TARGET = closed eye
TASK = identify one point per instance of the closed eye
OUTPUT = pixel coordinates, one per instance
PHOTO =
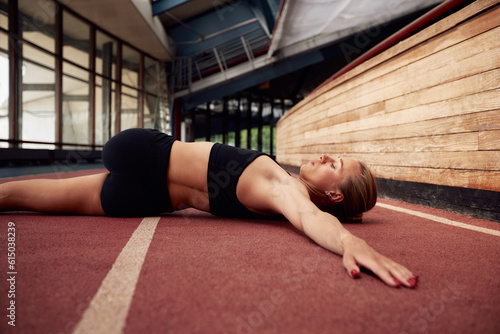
(333, 165)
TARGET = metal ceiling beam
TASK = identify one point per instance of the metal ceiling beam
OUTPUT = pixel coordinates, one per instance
(220, 32)
(244, 76)
(161, 6)
(212, 28)
(266, 11)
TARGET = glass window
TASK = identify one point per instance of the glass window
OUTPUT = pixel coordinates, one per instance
(151, 76)
(99, 123)
(149, 110)
(98, 80)
(130, 108)
(76, 111)
(36, 74)
(4, 41)
(76, 45)
(38, 118)
(38, 97)
(4, 19)
(38, 56)
(113, 128)
(75, 71)
(131, 62)
(104, 105)
(38, 22)
(106, 49)
(244, 107)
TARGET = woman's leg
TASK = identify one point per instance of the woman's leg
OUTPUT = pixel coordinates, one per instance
(78, 195)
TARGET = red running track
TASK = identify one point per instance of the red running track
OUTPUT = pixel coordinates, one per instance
(203, 274)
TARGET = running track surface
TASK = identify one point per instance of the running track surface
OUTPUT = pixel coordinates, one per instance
(190, 272)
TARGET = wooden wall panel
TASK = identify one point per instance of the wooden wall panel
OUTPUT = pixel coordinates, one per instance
(490, 140)
(426, 110)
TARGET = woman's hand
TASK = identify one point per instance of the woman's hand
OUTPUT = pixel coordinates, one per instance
(358, 254)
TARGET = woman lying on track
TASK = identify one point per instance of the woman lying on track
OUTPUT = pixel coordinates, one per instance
(151, 173)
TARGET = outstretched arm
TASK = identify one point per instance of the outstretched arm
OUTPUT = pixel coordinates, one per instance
(328, 232)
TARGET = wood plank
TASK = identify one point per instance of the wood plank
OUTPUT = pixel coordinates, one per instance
(470, 14)
(466, 105)
(463, 60)
(388, 56)
(489, 120)
(485, 180)
(469, 85)
(463, 161)
(441, 143)
(478, 160)
(465, 19)
(465, 86)
(480, 82)
(459, 71)
(420, 54)
(437, 43)
(482, 101)
(489, 140)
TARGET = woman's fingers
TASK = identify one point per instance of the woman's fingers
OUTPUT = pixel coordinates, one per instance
(382, 268)
(402, 274)
(392, 273)
(351, 266)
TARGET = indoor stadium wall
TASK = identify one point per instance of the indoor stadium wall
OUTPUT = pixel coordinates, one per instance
(424, 115)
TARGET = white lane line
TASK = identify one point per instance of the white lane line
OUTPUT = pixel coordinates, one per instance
(108, 309)
(441, 220)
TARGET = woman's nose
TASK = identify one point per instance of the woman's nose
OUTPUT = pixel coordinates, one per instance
(324, 158)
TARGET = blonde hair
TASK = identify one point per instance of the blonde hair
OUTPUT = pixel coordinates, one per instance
(360, 195)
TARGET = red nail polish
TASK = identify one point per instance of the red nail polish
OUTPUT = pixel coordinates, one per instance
(412, 281)
(354, 273)
(398, 283)
(415, 276)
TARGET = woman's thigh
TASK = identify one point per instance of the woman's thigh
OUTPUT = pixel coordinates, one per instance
(78, 195)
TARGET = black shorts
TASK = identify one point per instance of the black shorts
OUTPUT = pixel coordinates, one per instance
(136, 186)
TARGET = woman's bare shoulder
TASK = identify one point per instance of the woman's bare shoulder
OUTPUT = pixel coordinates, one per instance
(263, 183)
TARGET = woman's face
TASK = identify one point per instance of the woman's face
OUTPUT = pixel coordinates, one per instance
(326, 173)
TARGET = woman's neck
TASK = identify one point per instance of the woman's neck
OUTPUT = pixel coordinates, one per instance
(316, 196)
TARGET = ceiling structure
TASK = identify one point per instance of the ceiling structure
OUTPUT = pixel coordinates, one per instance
(130, 20)
(220, 47)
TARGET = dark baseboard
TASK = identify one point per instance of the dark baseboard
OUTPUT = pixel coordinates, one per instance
(18, 156)
(474, 203)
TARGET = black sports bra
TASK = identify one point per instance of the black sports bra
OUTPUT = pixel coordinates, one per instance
(225, 165)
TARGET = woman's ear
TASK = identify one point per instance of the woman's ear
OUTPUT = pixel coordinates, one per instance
(335, 196)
